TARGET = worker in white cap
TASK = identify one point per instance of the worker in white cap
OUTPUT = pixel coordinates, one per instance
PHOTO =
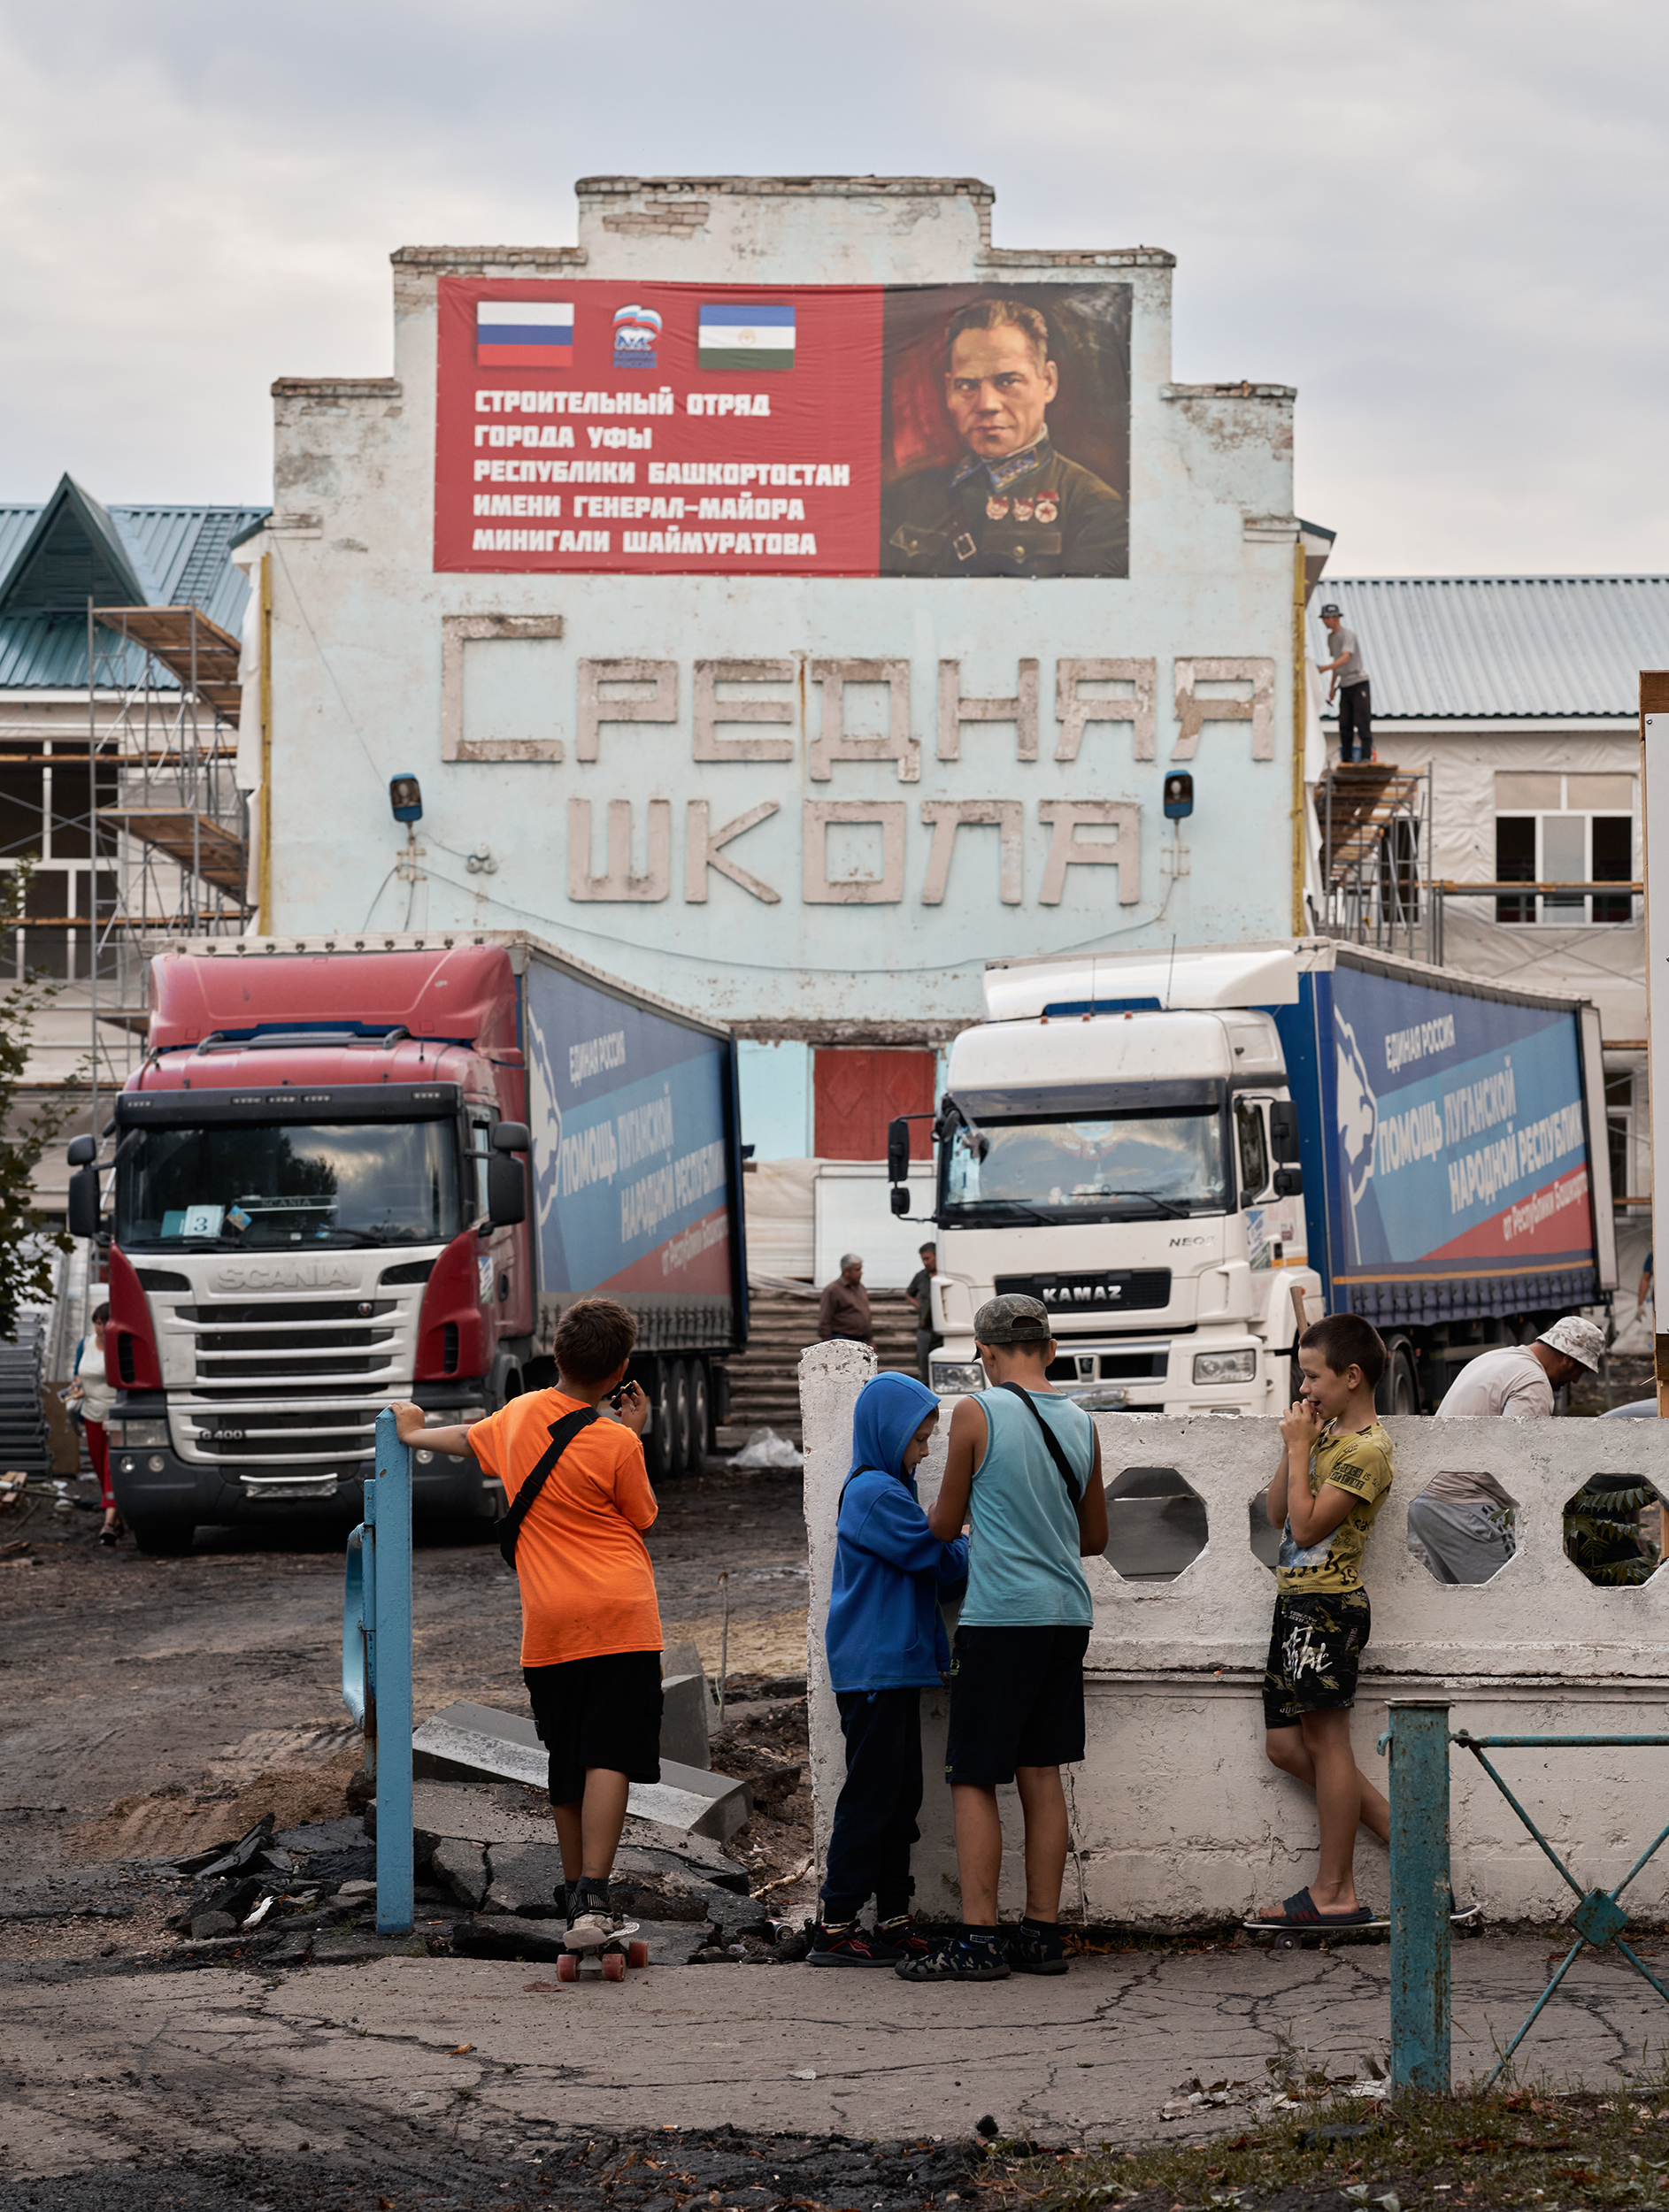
(1518, 1380)
(1461, 1525)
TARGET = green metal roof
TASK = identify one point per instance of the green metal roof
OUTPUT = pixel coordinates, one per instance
(53, 559)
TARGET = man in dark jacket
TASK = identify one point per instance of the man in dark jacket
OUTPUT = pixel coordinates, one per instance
(920, 1288)
(1013, 506)
(843, 1315)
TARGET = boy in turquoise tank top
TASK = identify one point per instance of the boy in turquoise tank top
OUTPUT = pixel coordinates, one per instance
(1025, 1468)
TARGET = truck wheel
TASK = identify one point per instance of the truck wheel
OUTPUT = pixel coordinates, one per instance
(658, 1437)
(678, 1437)
(163, 1539)
(1399, 1386)
(700, 1414)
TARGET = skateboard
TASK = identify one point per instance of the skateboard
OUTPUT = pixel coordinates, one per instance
(612, 1953)
(1376, 1931)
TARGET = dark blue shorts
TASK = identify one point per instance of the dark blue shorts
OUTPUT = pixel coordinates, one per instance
(1017, 1700)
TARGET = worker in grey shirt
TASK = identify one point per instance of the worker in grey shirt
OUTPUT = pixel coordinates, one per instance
(1349, 680)
(1461, 1525)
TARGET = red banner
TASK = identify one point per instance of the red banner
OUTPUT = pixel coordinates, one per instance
(818, 430)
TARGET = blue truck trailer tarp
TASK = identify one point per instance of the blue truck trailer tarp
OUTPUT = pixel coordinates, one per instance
(1444, 1142)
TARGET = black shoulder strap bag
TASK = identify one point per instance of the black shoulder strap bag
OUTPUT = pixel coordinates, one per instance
(562, 1435)
(1063, 1464)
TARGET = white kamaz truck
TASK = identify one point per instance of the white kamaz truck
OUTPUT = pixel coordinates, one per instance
(1189, 1156)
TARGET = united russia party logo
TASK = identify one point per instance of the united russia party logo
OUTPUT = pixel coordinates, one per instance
(636, 330)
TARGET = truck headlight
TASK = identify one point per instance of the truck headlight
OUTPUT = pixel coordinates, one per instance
(952, 1376)
(1225, 1367)
(138, 1436)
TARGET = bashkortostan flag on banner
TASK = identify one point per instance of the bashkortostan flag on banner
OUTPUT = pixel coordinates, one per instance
(747, 336)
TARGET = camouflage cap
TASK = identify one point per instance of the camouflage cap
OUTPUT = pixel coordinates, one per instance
(1013, 1320)
(1578, 1340)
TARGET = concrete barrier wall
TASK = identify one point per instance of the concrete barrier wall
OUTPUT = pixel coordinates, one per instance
(1178, 1819)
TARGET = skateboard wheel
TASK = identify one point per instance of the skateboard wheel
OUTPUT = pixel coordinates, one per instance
(613, 1966)
(1288, 1943)
(568, 1967)
(637, 1954)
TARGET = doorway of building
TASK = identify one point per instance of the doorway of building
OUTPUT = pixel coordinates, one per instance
(855, 1092)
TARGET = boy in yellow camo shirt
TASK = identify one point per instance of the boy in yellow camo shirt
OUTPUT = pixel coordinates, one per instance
(1334, 1475)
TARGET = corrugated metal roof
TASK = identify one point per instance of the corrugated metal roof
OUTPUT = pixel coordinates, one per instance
(180, 555)
(1507, 646)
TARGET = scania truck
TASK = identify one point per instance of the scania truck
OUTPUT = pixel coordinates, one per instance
(351, 1173)
(1189, 1155)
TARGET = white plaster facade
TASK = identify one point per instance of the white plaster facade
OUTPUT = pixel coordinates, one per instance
(1178, 1816)
(859, 907)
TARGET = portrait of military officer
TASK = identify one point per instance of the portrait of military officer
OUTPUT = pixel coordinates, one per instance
(1011, 505)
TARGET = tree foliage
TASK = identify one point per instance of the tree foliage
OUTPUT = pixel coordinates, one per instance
(25, 1245)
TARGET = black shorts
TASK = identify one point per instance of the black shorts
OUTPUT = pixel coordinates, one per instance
(1017, 1700)
(1313, 1648)
(600, 1712)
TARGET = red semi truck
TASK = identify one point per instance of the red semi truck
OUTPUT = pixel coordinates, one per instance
(345, 1174)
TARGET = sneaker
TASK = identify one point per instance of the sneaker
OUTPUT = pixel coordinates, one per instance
(1035, 1948)
(592, 1919)
(848, 1945)
(904, 1937)
(962, 1957)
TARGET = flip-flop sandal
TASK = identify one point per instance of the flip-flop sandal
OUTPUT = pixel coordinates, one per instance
(1300, 1911)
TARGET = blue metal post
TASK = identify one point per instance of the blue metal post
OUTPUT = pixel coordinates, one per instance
(1420, 1903)
(389, 1642)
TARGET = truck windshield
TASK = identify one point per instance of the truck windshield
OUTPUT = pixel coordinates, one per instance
(243, 1184)
(1086, 1170)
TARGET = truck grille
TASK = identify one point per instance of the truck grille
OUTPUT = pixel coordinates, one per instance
(295, 1382)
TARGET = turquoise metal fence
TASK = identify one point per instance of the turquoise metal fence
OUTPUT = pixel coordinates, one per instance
(376, 1666)
(1418, 1738)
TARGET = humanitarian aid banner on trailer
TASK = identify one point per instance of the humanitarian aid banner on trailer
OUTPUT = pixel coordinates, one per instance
(630, 1152)
(826, 430)
(1460, 1135)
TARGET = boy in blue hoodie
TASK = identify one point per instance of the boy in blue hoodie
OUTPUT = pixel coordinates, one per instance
(886, 1644)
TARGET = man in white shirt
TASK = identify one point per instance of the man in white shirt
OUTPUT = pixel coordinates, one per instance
(1461, 1525)
(1518, 1380)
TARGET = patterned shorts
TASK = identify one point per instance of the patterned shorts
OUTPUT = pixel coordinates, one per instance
(1313, 1649)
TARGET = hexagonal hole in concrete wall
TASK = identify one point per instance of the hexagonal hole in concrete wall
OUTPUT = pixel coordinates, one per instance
(1265, 1542)
(1463, 1528)
(1613, 1531)
(1156, 1525)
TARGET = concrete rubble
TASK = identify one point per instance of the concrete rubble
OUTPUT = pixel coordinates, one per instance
(467, 1741)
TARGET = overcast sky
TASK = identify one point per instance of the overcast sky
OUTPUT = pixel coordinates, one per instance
(1443, 220)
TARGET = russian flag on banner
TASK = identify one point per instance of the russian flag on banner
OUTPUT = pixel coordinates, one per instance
(524, 334)
(747, 336)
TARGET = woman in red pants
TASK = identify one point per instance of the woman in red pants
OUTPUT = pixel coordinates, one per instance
(96, 1395)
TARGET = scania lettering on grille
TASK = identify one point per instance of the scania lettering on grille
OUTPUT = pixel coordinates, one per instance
(306, 1275)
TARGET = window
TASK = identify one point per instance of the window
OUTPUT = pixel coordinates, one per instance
(1252, 1146)
(1565, 829)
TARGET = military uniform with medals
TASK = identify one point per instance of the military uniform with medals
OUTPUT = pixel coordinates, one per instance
(1032, 513)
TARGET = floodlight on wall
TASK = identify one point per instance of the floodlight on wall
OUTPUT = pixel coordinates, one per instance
(1179, 795)
(405, 798)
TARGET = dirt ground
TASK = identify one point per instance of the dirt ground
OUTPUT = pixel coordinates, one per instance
(155, 1706)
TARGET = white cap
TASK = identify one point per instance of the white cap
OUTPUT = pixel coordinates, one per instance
(1579, 1341)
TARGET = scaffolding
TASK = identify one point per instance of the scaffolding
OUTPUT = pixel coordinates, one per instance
(170, 849)
(1373, 825)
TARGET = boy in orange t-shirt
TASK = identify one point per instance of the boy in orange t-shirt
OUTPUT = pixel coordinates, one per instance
(590, 1628)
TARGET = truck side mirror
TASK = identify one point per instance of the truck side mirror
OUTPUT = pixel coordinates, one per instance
(83, 1200)
(1283, 1129)
(511, 1136)
(1289, 1182)
(82, 1152)
(900, 1195)
(898, 1151)
(506, 1190)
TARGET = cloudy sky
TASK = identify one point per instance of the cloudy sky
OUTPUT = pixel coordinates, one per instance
(1443, 220)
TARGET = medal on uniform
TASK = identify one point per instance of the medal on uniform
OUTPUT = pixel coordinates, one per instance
(1022, 510)
(995, 509)
(1048, 507)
